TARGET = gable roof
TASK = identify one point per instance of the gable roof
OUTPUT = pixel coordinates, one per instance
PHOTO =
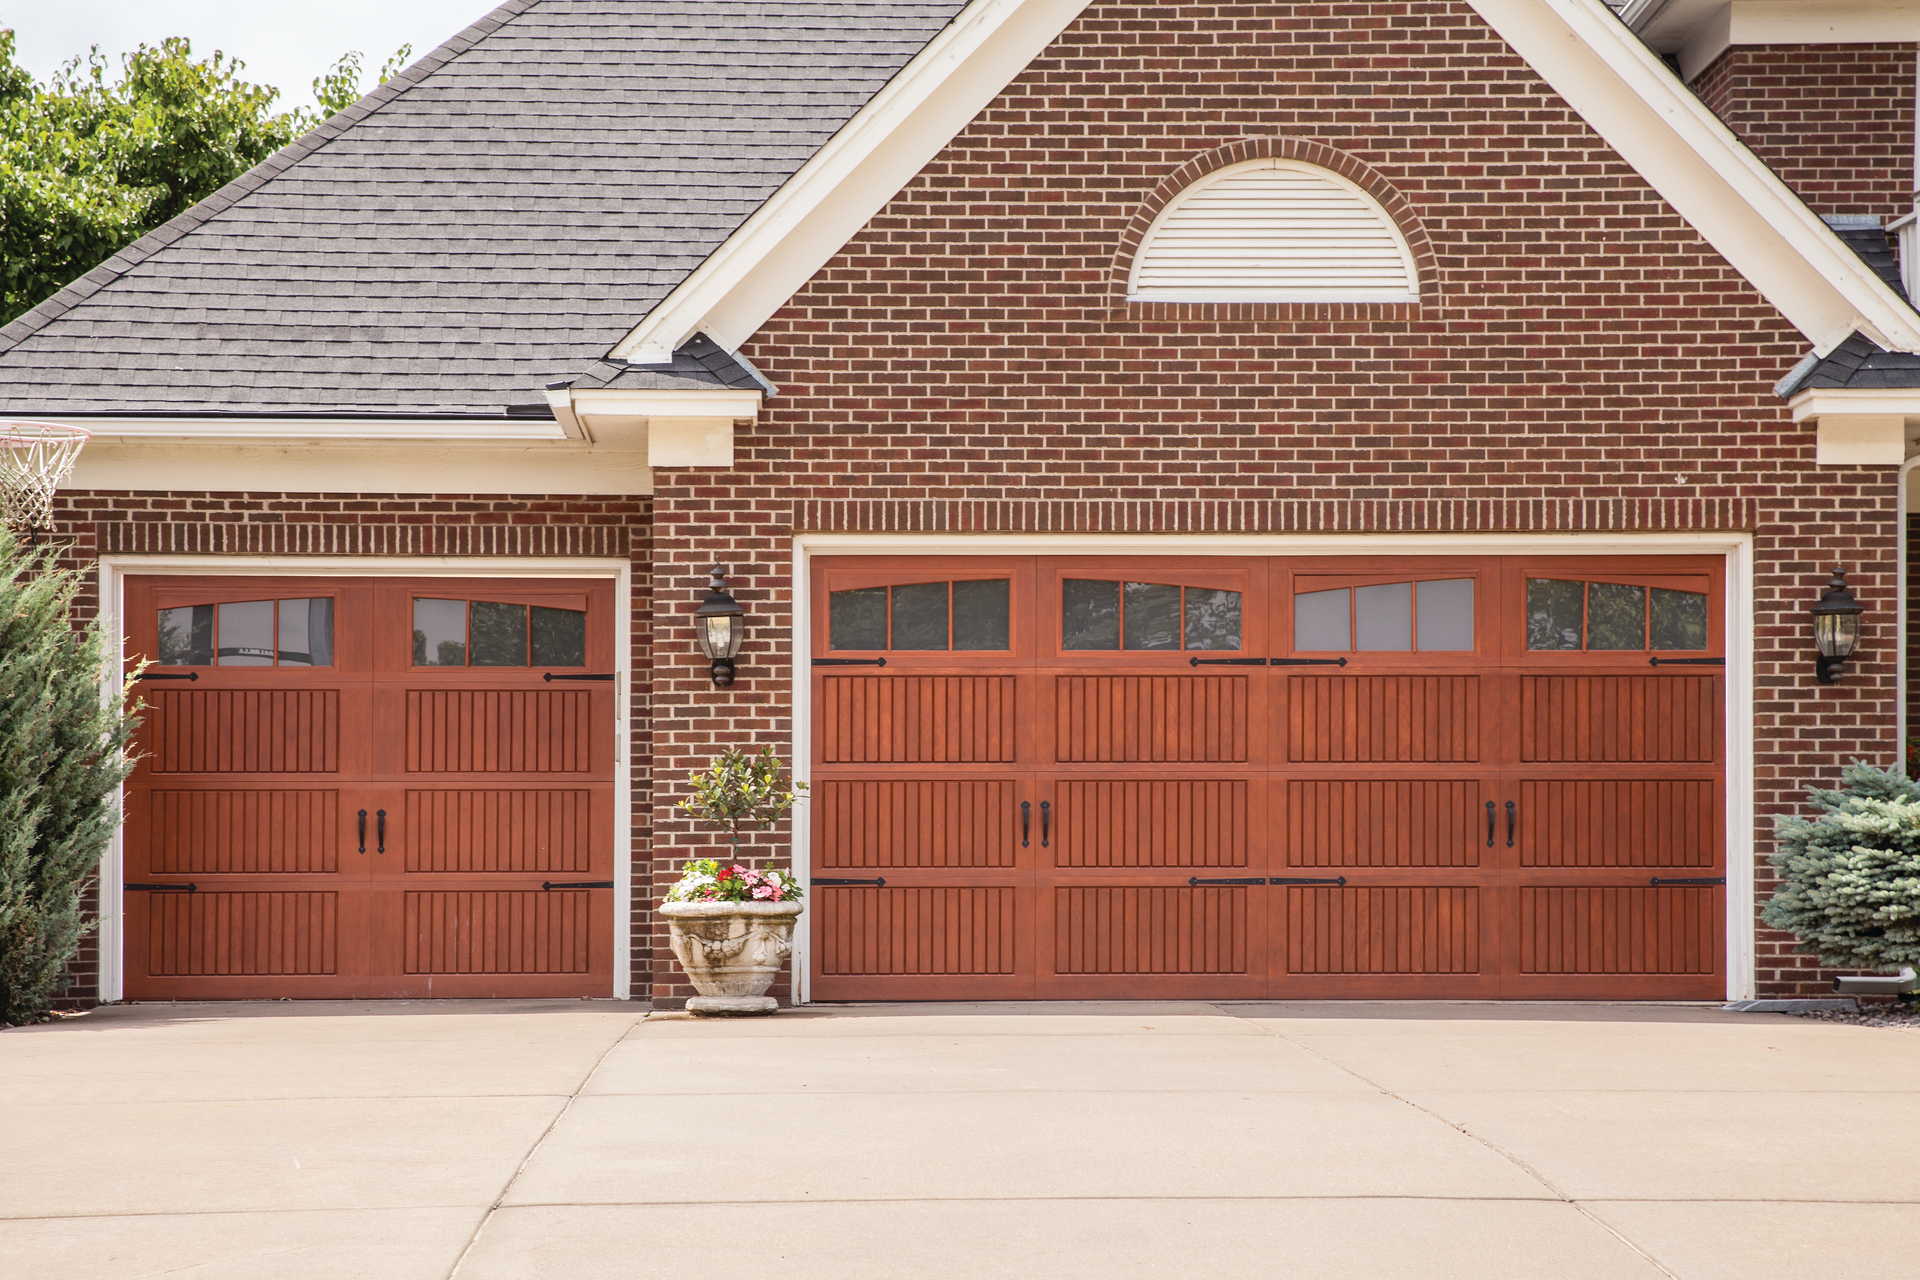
(492, 219)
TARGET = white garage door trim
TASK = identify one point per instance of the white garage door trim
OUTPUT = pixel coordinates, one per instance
(1736, 547)
(113, 574)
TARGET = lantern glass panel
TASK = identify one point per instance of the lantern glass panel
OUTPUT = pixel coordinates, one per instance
(721, 637)
(1835, 633)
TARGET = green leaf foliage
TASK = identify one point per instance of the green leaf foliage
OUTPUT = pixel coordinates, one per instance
(1850, 878)
(739, 791)
(89, 163)
(63, 756)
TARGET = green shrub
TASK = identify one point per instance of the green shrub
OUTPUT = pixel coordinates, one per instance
(1850, 878)
(62, 760)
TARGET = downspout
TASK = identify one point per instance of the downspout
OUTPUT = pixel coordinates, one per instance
(1900, 617)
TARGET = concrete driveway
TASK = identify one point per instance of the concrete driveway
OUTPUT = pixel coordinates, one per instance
(581, 1139)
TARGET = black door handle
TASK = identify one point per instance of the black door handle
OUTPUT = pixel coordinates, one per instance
(1046, 822)
(363, 831)
(1509, 824)
(381, 826)
(1026, 818)
(1489, 824)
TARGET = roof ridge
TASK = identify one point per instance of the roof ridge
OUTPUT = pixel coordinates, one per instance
(37, 317)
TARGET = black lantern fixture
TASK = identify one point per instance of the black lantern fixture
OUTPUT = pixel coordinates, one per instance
(1836, 628)
(720, 624)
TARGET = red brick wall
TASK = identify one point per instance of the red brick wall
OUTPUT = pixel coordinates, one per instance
(1581, 361)
(1834, 120)
(295, 524)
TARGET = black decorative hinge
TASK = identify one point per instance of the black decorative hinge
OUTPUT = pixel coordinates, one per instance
(162, 888)
(1306, 662)
(1686, 662)
(168, 675)
(1226, 662)
(609, 675)
(1195, 881)
(576, 884)
(849, 662)
(878, 881)
(1686, 880)
(1341, 880)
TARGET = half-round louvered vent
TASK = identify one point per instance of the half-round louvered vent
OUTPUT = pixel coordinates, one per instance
(1273, 231)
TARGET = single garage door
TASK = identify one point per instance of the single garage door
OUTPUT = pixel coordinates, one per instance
(1413, 777)
(371, 787)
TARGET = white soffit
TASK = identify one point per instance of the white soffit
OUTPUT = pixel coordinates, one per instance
(1699, 31)
(1633, 101)
(873, 156)
(502, 430)
(1273, 231)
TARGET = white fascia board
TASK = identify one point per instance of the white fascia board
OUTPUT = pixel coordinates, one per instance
(1741, 208)
(851, 178)
(476, 431)
(1850, 402)
(1701, 30)
(614, 402)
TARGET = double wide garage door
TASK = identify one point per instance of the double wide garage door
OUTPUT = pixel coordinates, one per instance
(370, 787)
(1218, 778)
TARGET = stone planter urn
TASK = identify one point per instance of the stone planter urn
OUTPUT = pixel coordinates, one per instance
(731, 951)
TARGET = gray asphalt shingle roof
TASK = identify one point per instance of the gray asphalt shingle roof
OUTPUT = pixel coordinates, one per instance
(491, 221)
(1858, 364)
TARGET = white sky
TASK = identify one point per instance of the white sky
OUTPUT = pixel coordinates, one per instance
(283, 44)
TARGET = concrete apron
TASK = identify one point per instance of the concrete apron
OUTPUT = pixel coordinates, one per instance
(582, 1138)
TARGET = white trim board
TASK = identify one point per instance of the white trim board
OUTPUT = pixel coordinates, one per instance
(1736, 547)
(115, 569)
(262, 466)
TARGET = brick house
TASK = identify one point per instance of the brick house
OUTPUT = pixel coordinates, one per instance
(1229, 500)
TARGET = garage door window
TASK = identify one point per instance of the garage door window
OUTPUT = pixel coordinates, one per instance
(487, 633)
(1613, 616)
(1147, 615)
(248, 633)
(1432, 616)
(961, 616)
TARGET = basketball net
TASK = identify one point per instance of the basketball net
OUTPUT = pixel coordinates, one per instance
(35, 459)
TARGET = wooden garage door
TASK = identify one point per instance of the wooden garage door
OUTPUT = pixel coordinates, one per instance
(371, 787)
(1219, 778)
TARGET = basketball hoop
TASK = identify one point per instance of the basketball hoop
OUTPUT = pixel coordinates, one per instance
(35, 459)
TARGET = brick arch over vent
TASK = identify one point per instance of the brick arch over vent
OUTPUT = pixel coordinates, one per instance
(1301, 151)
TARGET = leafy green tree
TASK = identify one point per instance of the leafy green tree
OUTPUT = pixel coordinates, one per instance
(89, 163)
(63, 756)
(1850, 878)
(738, 792)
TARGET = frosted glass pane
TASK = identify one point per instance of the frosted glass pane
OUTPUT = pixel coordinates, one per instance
(1446, 615)
(1616, 616)
(439, 633)
(306, 632)
(857, 619)
(1383, 616)
(1321, 620)
(1213, 619)
(1090, 613)
(981, 614)
(1153, 616)
(1555, 613)
(920, 616)
(246, 634)
(1679, 619)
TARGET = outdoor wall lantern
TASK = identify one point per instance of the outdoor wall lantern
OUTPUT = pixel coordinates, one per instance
(1836, 628)
(720, 624)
